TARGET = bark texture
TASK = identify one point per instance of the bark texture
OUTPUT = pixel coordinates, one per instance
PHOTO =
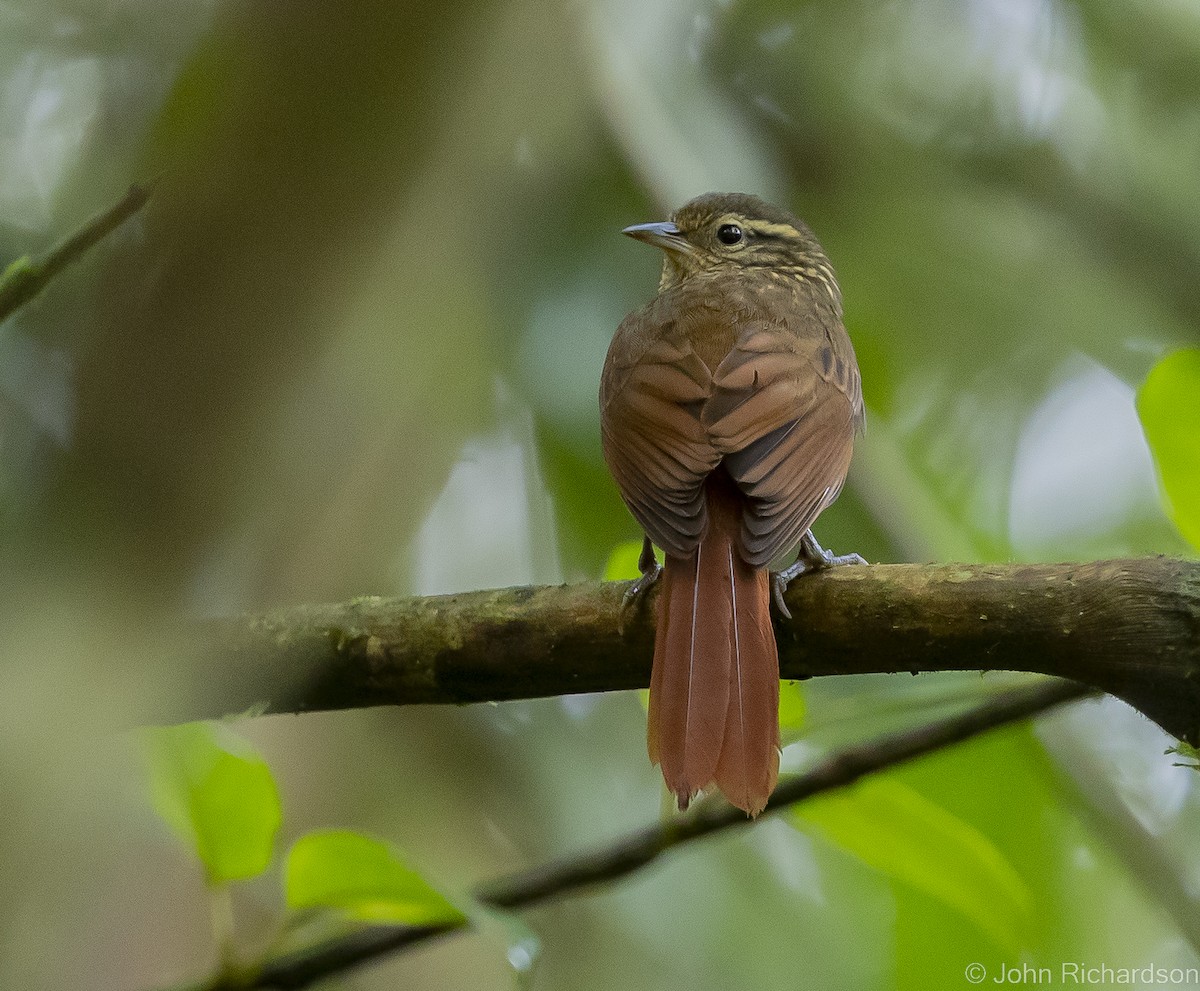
(1128, 627)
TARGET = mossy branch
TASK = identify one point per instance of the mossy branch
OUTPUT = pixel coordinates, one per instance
(1127, 627)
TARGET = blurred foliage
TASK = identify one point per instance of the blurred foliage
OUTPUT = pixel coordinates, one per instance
(353, 345)
(222, 803)
(905, 836)
(1169, 405)
(220, 798)
(363, 877)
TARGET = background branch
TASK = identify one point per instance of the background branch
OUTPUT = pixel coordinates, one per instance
(1128, 627)
(25, 278)
(575, 874)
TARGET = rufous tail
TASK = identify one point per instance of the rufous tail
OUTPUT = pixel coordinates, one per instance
(714, 691)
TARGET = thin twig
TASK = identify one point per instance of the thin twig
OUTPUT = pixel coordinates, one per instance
(573, 875)
(25, 279)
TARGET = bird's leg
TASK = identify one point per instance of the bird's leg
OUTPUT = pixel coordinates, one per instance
(812, 557)
(650, 570)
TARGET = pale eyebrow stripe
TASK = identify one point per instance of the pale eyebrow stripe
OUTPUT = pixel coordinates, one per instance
(774, 230)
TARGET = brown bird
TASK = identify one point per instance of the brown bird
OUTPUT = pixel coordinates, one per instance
(728, 409)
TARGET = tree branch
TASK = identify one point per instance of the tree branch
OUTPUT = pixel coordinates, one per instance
(573, 875)
(24, 279)
(1128, 627)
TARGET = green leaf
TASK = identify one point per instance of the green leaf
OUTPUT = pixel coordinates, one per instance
(892, 828)
(792, 711)
(363, 877)
(217, 795)
(1169, 406)
(622, 564)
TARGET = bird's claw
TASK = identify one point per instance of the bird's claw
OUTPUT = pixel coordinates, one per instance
(812, 557)
(779, 585)
(639, 587)
(650, 569)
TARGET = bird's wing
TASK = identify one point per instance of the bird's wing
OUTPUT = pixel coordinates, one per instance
(783, 414)
(651, 394)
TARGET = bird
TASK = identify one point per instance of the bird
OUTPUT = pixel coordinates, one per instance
(729, 405)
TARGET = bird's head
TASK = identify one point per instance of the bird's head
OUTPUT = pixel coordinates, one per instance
(737, 233)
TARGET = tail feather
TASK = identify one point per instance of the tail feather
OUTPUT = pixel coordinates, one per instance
(714, 691)
(689, 688)
(749, 763)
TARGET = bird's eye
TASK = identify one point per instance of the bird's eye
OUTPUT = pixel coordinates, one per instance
(729, 234)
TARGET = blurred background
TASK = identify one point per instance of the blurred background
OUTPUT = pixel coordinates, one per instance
(353, 346)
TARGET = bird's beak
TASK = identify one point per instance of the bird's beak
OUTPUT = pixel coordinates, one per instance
(663, 235)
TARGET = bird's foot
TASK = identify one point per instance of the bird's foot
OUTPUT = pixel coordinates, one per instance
(650, 570)
(639, 587)
(812, 557)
